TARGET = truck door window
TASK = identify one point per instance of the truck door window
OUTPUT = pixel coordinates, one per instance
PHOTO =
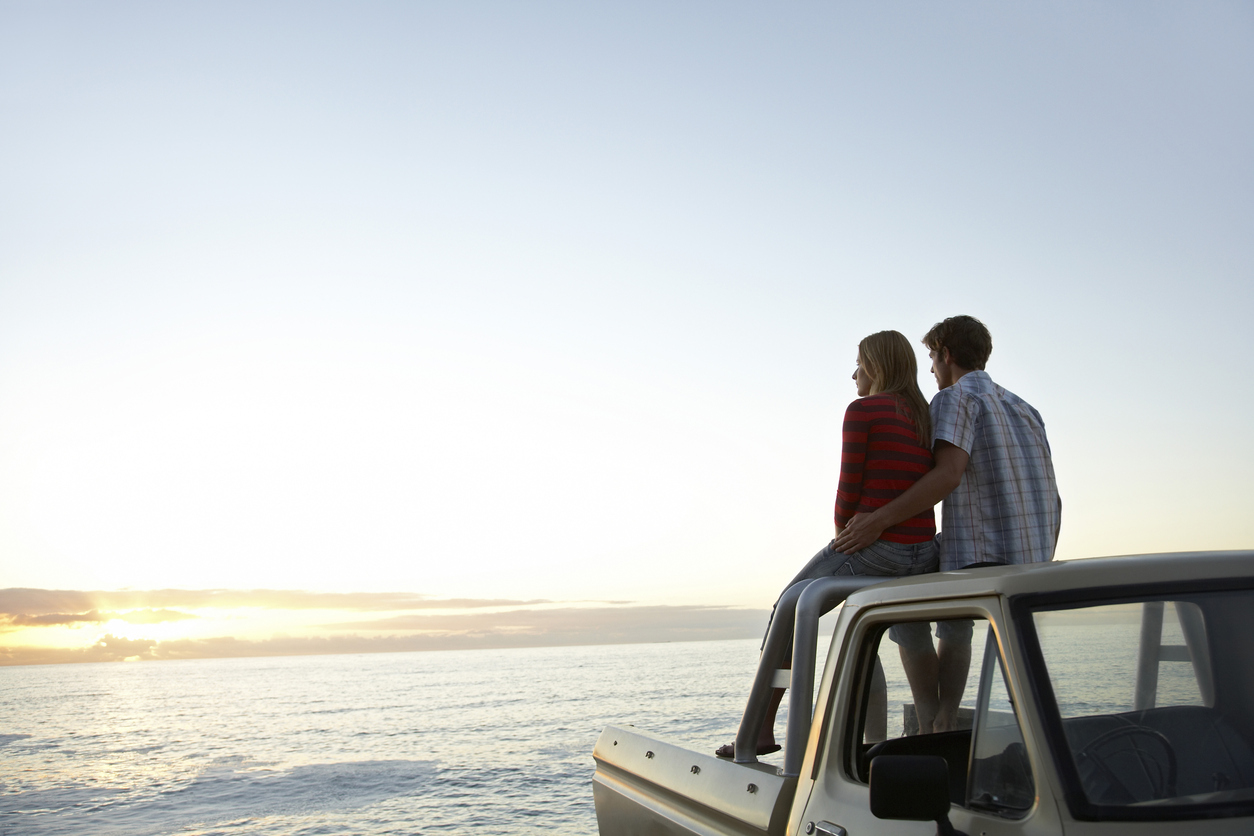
(907, 657)
(1153, 700)
(910, 665)
(1104, 644)
(1000, 779)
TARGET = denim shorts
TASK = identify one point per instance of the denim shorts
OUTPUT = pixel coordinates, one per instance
(916, 636)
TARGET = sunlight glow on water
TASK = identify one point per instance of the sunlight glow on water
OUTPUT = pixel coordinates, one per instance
(371, 744)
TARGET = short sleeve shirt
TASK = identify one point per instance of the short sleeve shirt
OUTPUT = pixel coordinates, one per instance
(1006, 509)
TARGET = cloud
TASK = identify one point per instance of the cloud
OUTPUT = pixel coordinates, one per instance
(522, 628)
(404, 622)
(42, 602)
(52, 619)
(584, 625)
(93, 617)
(152, 616)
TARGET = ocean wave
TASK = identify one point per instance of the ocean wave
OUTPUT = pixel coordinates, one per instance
(221, 795)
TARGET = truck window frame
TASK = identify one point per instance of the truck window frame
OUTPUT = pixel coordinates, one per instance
(1040, 690)
(857, 647)
(992, 674)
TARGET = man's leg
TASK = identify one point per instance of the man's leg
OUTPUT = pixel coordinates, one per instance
(877, 707)
(953, 642)
(923, 672)
(918, 658)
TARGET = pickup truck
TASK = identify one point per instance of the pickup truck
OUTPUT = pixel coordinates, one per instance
(1105, 696)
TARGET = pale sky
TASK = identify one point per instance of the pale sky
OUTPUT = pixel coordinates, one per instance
(561, 300)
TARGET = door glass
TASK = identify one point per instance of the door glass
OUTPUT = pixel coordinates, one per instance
(920, 695)
(913, 660)
(1095, 656)
(1000, 777)
(923, 696)
(1154, 700)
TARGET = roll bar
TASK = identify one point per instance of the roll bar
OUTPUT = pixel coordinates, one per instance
(797, 618)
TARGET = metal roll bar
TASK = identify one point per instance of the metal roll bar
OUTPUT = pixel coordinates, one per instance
(797, 616)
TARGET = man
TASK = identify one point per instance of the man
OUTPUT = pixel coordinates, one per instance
(994, 472)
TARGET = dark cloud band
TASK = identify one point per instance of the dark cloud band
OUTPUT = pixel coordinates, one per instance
(524, 628)
(44, 602)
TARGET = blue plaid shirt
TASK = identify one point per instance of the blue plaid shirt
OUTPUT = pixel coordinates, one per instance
(1006, 509)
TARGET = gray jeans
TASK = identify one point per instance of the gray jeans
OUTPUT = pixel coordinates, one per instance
(879, 558)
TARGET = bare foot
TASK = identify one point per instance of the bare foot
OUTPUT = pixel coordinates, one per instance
(945, 721)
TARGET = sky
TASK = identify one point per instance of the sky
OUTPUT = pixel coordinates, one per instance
(550, 309)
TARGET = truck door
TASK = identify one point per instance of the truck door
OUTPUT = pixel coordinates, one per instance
(925, 680)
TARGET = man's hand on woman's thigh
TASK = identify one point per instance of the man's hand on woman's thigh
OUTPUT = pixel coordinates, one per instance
(861, 532)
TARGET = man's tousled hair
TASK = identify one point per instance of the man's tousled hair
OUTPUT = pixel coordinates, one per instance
(965, 338)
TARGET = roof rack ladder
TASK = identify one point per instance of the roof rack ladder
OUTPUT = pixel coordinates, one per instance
(1153, 651)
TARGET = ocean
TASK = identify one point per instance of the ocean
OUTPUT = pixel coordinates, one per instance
(406, 743)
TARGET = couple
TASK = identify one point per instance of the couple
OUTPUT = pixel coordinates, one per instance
(980, 448)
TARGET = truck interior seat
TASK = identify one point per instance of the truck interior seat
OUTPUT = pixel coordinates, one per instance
(954, 747)
(1208, 753)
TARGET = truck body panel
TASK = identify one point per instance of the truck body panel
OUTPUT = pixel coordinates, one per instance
(1071, 729)
(644, 785)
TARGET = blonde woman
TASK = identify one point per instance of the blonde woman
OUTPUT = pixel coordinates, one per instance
(887, 447)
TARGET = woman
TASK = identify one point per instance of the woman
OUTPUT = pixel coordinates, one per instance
(887, 437)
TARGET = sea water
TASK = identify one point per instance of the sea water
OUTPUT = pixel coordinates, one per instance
(409, 743)
(497, 741)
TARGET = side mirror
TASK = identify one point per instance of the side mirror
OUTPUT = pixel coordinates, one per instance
(913, 788)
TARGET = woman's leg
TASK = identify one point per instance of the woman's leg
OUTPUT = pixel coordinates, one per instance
(825, 563)
(893, 559)
(880, 558)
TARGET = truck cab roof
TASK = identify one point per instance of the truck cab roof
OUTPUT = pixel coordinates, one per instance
(1105, 573)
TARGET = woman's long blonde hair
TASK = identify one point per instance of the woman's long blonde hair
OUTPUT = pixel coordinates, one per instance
(888, 357)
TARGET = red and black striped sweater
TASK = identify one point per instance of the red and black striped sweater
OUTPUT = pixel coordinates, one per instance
(880, 458)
